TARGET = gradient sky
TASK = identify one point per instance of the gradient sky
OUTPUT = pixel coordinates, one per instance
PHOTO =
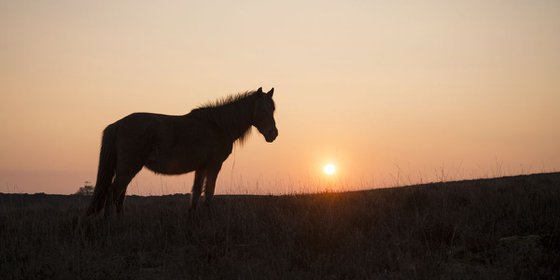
(392, 92)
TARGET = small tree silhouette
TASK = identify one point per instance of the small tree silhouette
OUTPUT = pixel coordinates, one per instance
(86, 190)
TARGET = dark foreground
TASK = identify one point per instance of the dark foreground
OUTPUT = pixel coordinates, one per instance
(507, 228)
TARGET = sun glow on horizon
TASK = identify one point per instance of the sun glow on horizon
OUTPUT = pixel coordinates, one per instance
(368, 93)
(329, 169)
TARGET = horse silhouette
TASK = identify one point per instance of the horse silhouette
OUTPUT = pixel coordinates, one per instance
(199, 141)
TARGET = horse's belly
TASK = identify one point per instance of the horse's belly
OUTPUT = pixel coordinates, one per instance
(169, 167)
(178, 162)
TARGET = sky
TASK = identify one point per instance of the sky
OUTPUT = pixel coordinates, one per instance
(390, 92)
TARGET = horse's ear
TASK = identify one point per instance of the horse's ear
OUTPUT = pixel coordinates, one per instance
(270, 93)
(259, 90)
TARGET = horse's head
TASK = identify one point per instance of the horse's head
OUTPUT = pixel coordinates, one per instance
(263, 118)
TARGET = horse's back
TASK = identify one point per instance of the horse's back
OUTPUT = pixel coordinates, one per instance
(138, 132)
(166, 144)
(138, 124)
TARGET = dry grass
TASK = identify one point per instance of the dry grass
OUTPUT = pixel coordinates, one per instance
(485, 229)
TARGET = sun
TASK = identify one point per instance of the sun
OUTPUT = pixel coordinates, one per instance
(329, 169)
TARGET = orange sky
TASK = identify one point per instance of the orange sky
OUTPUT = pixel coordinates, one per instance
(392, 92)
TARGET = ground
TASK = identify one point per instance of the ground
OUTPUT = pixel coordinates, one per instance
(505, 228)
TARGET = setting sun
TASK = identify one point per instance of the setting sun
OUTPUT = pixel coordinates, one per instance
(329, 169)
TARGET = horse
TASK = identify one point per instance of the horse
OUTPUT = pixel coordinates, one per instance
(199, 141)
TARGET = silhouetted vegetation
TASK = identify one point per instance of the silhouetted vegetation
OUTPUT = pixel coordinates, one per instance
(86, 190)
(504, 228)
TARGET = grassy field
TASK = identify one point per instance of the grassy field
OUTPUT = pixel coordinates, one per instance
(506, 228)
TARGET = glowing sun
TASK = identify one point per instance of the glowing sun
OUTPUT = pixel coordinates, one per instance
(329, 169)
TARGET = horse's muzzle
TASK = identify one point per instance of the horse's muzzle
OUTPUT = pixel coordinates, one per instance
(271, 135)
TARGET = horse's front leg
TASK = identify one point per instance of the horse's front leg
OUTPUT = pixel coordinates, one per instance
(211, 177)
(197, 187)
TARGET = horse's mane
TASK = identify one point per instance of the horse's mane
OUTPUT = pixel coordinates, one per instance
(227, 100)
(217, 112)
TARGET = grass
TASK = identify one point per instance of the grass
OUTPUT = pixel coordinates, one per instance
(506, 228)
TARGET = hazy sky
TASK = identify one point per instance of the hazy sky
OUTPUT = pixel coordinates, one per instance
(392, 92)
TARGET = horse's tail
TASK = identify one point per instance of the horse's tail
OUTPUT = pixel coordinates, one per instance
(106, 170)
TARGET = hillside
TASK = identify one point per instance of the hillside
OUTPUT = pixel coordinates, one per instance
(500, 228)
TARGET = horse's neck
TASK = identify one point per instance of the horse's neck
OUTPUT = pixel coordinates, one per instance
(235, 120)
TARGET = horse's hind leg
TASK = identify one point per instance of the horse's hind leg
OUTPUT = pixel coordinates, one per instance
(197, 187)
(120, 201)
(118, 188)
(98, 200)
